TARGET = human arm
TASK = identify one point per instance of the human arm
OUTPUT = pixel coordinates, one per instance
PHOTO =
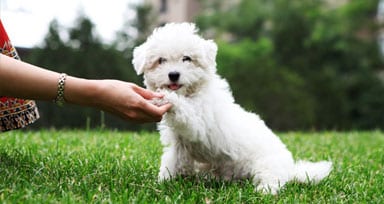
(124, 99)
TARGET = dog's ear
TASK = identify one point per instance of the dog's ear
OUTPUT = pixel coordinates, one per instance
(210, 51)
(139, 60)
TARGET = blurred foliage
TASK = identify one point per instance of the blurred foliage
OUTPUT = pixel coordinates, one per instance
(301, 64)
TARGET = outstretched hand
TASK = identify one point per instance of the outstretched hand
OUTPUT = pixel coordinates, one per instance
(129, 101)
(124, 99)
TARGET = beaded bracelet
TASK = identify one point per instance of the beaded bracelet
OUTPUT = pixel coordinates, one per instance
(59, 100)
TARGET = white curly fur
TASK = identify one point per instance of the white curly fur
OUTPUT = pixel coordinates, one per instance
(206, 130)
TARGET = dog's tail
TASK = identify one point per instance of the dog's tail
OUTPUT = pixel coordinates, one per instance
(306, 171)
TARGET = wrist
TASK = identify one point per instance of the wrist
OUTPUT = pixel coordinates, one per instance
(81, 91)
(60, 100)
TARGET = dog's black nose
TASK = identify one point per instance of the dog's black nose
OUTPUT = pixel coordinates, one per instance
(173, 76)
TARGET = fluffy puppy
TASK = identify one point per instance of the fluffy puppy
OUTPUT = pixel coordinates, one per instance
(206, 131)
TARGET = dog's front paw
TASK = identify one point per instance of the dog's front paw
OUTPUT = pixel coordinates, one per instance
(164, 175)
(174, 99)
(171, 97)
(158, 101)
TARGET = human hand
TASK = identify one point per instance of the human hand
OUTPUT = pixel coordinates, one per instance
(123, 99)
(131, 102)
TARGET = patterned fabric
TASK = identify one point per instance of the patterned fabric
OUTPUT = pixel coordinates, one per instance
(14, 113)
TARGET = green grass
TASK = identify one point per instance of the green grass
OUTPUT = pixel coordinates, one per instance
(121, 167)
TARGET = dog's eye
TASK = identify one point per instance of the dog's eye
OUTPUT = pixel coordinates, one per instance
(187, 59)
(161, 60)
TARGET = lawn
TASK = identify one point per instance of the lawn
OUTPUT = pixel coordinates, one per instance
(76, 166)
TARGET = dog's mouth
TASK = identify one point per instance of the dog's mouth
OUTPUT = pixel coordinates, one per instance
(174, 86)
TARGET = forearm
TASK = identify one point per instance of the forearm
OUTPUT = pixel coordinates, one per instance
(23, 80)
(82, 91)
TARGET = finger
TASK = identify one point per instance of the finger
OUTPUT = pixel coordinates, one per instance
(165, 108)
(154, 110)
(146, 118)
(150, 115)
(147, 94)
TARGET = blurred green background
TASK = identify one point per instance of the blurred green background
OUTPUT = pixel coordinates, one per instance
(299, 64)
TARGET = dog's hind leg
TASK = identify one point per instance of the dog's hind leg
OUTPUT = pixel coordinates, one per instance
(267, 185)
(271, 174)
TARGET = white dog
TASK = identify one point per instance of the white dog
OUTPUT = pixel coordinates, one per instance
(206, 131)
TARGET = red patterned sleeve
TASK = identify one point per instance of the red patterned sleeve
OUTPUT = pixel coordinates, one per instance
(14, 113)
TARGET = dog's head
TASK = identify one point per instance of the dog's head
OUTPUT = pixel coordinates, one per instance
(176, 58)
